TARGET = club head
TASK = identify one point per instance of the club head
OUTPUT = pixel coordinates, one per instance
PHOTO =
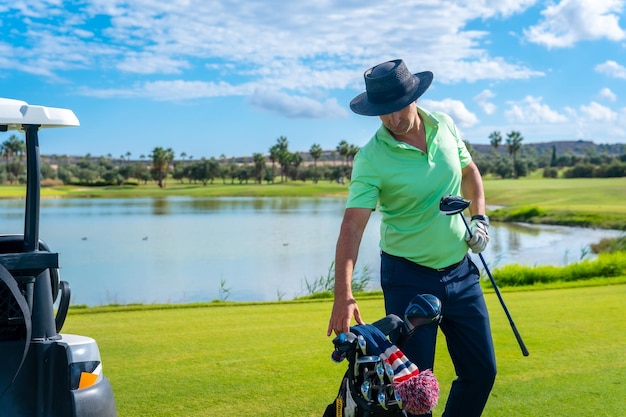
(388, 371)
(380, 371)
(382, 399)
(362, 344)
(343, 344)
(423, 309)
(453, 204)
(367, 359)
(366, 390)
(398, 399)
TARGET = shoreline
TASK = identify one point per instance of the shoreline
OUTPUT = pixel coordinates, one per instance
(593, 203)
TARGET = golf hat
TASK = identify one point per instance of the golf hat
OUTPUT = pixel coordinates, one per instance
(389, 87)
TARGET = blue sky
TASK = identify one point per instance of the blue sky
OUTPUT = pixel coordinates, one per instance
(211, 78)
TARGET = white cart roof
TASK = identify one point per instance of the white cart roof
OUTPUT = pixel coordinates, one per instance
(15, 113)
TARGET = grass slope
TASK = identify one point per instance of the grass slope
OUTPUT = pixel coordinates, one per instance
(273, 359)
(586, 202)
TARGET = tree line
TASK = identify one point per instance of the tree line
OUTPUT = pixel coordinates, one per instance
(162, 165)
(507, 158)
(519, 160)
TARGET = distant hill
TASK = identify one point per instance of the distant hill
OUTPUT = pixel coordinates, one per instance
(572, 147)
(575, 147)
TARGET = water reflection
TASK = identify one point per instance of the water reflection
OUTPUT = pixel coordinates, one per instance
(180, 249)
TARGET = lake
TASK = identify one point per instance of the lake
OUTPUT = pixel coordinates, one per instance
(179, 250)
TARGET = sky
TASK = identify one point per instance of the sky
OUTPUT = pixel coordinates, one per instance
(228, 78)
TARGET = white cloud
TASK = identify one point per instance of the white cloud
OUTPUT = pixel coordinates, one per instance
(149, 63)
(531, 110)
(486, 69)
(296, 106)
(482, 99)
(271, 39)
(611, 69)
(608, 95)
(176, 90)
(571, 21)
(455, 108)
(595, 112)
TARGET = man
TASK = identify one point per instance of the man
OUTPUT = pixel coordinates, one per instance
(414, 159)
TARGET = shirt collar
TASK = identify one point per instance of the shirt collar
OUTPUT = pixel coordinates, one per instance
(384, 135)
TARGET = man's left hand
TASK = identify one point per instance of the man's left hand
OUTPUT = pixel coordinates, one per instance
(480, 235)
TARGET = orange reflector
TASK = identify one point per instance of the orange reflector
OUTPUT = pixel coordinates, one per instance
(86, 380)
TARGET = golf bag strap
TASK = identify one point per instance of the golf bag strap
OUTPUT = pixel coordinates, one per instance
(11, 283)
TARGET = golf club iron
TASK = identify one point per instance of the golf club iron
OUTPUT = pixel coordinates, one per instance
(451, 205)
(362, 344)
(382, 399)
(366, 390)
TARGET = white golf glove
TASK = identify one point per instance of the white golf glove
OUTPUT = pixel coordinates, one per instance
(479, 227)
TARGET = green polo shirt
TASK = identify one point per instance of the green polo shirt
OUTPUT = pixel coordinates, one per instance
(407, 185)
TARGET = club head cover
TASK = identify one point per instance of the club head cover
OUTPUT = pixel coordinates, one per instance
(423, 309)
(419, 391)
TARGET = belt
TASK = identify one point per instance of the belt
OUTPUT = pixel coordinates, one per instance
(449, 267)
(446, 269)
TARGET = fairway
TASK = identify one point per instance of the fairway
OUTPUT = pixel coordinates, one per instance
(604, 195)
(273, 359)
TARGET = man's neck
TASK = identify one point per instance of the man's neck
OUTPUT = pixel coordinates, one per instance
(416, 136)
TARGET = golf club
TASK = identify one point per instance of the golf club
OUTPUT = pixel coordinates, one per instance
(380, 371)
(398, 399)
(451, 205)
(366, 390)
(382, 399)
(362, 344)
(343, 343)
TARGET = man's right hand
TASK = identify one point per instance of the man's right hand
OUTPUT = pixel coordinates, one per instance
(341, 316)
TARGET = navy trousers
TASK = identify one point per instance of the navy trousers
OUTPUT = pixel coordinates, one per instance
(464, 323)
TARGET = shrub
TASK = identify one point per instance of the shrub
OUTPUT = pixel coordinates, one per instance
(579, 171)
(606, 265)
(549, 172)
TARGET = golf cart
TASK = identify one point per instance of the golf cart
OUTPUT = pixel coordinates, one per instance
(43, 373)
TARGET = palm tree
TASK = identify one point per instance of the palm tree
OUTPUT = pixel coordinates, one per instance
(343, 148)
(259, 166)
(161, 159)
(514, 144)
(316, 154)
(13, 151)
(295, 159)
(274, 158)
(352, 151)
(495, 139)
(283, 156)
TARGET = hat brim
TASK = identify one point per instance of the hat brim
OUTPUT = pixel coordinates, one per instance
(361, 105)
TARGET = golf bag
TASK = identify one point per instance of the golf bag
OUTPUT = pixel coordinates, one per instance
(380, 381)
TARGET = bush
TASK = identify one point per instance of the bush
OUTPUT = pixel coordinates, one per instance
(606, 265)
(549, 172)
(579, 171)
(523, 214)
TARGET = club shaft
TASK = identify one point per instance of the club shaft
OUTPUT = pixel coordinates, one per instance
(497, 291)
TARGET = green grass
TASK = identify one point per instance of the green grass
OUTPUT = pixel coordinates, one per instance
(607, 265)
(273, 359)
(588, 202)
(174, 188)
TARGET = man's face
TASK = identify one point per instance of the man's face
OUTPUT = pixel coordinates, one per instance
(402, 121)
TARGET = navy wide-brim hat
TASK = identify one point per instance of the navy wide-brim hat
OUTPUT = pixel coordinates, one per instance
(390, 87)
